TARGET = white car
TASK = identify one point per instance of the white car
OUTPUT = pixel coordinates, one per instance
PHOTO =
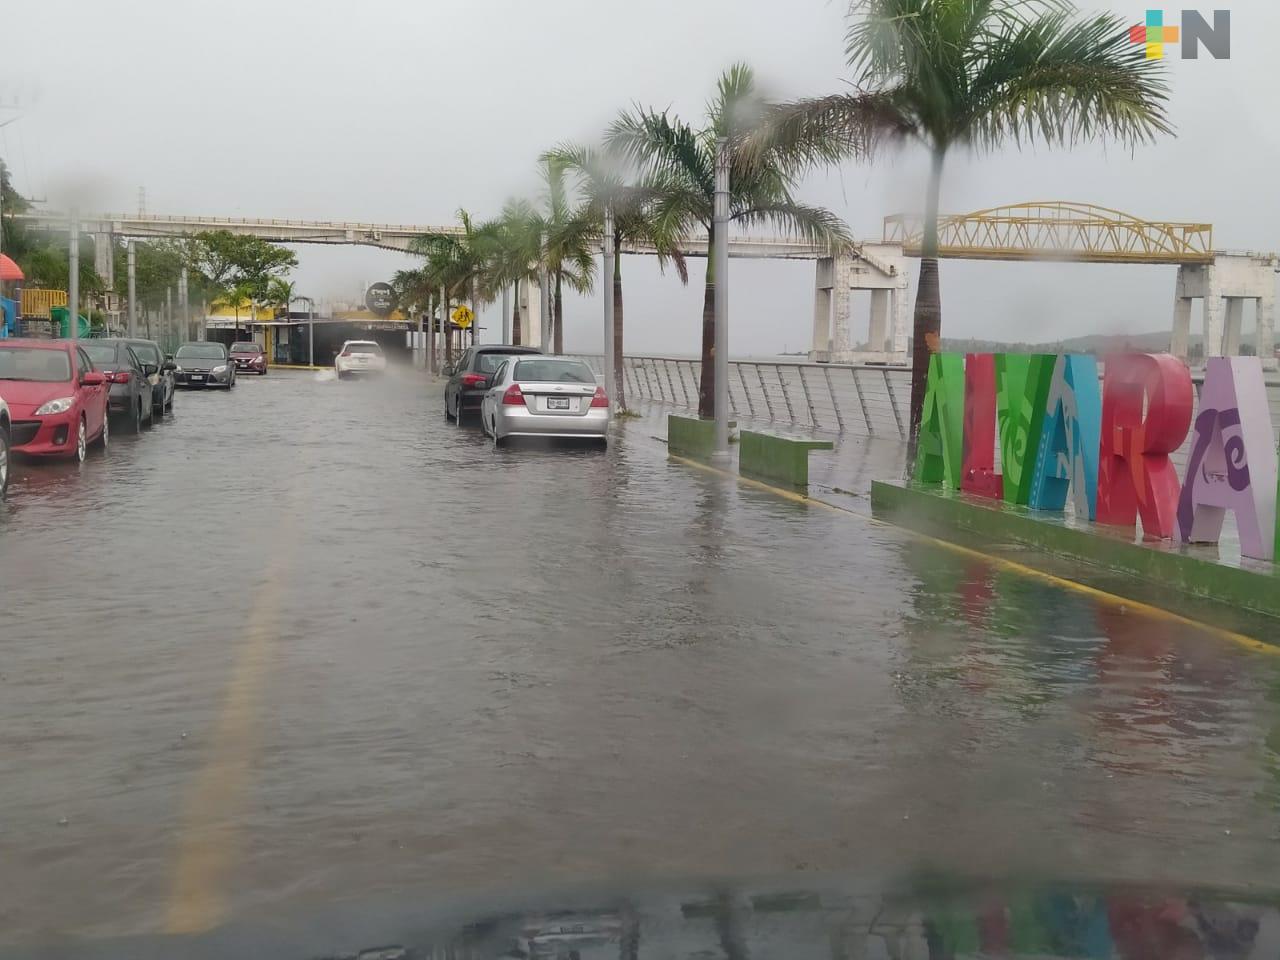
(359, 356)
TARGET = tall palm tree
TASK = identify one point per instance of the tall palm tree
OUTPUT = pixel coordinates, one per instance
(761, 180)
(457, 262)
(977, 74)
(234, 295)
(280, 293)
(568, 254)
(604, 183)
(512, 246)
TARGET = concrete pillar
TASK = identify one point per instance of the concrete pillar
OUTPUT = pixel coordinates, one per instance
(1179, 340)
(821, 348)
(842, 272)
(1266, 333)
(104, 258)
(878, 328)
(1233, 326)
(901, 297)
(1213, 312)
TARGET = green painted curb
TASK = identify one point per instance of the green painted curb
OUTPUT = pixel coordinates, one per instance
(1168, 570)
(691, 437)
(767, 456)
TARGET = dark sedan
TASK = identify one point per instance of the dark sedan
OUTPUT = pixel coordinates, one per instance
(470, 377)
(204, 364)
(127, 377)
(159, 373)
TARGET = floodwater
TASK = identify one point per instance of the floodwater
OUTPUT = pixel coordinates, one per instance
(304, 646)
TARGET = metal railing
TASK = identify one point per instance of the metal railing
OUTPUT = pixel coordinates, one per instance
(849, 399)
(36, 302)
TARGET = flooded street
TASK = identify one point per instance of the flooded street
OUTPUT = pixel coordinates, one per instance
(305, 643)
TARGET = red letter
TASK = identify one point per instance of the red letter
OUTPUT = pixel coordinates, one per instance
(1135, 476)
(978, 474)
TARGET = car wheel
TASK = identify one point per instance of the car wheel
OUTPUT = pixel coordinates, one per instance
(4, 462)
(82, 444)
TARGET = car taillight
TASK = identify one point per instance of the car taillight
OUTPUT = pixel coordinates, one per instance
(473, 379)
(601, 399)
(120, 376)
(514, 395)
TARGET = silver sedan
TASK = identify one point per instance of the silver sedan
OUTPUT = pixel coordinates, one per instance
(545, 397)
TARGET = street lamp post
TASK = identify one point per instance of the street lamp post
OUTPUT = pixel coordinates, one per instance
(133, 290)
(721, 268)
(607, 284)
(73, 292)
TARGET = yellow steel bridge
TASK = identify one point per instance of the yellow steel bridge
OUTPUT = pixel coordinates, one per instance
(1057, 230)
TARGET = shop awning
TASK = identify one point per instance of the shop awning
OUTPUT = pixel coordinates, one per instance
(9, 270)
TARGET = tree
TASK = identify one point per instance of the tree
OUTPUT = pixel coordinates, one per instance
(226, 260)
(605, 182)
(280, 293)
(567, 254)
(977, 74)
(456, 262)
(512, 246)
(761, 180)
(157, 267)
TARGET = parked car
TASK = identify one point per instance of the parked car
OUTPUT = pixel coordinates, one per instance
(471, 375)
(249, 357)
(159, 370)
(57, 400)
(203, 363)
(359, 356)
(4, 448)
(129, 391)
(545, 397)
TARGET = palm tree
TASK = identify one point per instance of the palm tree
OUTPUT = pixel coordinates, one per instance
(234, 295)
(568, 254)
(760, 180)
(512, 247)
(974, 73)
(605, 183)
(280, 293)
(456, 262)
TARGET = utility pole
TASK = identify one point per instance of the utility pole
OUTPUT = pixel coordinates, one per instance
(720, 228)
(506, 314)
(184, 302)
(444, 322)
(133, 290)
(168, 315)
(73, 293)
(311, 332)
(607, 283)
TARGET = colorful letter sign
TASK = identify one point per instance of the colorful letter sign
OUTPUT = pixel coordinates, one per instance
(1068, 455)
(942, 421)
(1233, 460)
(979, 475)
(1135, 476)
(1022, 390)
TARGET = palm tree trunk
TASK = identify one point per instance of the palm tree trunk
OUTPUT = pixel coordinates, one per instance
(619, 381)
(707, 382)
(927, 323)
(559, 314)
(448, 335)
(515, 317)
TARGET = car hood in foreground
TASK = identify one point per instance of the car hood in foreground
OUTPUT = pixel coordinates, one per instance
(920, 916)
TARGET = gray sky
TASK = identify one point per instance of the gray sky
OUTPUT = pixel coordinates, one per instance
(404, 110)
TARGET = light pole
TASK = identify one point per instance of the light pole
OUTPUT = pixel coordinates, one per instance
(73, 292)
(607, 284)
(720, 228)
(506, 314)
(133, 290)
(184, 304)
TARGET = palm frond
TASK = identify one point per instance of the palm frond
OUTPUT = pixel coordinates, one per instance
(815, 225)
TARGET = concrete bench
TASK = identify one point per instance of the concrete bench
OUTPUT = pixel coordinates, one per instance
(785, 460)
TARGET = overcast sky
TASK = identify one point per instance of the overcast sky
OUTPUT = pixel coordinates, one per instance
(404, 110)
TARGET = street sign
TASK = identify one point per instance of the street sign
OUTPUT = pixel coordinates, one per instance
(462, 316)
(380, 299)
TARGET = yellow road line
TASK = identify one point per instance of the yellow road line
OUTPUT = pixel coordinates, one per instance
(1003, 563)
(208, 846)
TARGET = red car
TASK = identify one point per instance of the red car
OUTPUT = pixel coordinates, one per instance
(249, 357)
(57, 400)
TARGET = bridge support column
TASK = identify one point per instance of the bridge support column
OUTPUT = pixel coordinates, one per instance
(1266, 327)
(878, 329)
(1179, 341)
(104, 258)
(1233, 326)
(824, 272)
(842, 277)
(901, 298)
(1213, 312)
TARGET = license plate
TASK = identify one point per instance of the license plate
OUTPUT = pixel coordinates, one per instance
(197, 376)
(557, 403)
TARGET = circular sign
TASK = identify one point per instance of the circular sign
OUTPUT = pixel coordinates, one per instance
(380, 299)
(462, 316)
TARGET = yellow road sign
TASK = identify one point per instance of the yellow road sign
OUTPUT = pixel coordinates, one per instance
(462, 316)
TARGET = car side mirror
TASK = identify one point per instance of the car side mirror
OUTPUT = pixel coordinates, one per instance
(150, 369)
(169, 365)
(92, 379)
